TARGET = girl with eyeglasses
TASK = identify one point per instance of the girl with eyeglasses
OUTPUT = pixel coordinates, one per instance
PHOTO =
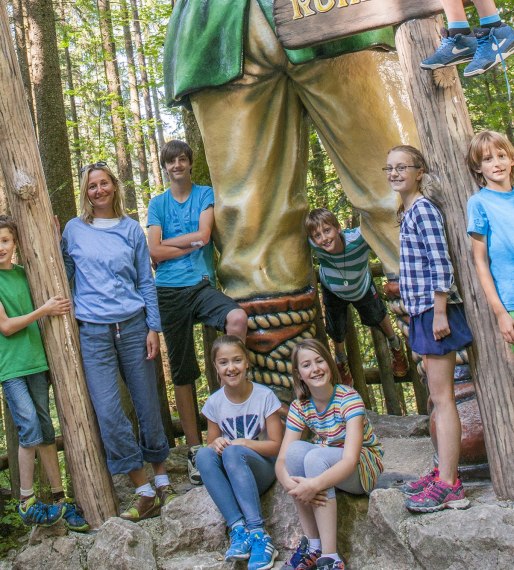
(437, 327)
(115, 301)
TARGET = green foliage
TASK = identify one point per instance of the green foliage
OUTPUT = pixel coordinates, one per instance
(11, 527)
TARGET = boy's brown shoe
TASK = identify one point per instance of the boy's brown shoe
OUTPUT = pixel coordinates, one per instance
(141, 508)
(166, 494)
(399, 362)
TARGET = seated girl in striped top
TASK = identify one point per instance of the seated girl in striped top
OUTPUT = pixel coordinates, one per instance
(344, 453)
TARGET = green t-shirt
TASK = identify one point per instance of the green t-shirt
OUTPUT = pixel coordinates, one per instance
(22, 353)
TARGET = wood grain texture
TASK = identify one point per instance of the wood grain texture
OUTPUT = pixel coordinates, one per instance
(445, 131)
(30, 206)
(342, 18)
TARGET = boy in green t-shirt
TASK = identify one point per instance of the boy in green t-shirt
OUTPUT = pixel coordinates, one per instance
(25, 386)
(345, 278)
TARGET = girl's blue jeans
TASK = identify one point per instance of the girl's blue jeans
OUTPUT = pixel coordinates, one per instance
(106, 351)
(235, 480)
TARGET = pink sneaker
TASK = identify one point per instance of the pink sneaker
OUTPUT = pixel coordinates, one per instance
(414, 487)
(437, 496)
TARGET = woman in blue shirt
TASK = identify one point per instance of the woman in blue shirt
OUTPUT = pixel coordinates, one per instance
(115, 303)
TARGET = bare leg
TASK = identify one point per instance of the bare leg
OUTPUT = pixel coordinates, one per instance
(454, 10)
(307, 520)
(485, 7)
(326, 521)
(50, 462)
(186, 412)
(159, 468)
(339, 348)
(237, 323)
(138, 477)
(440, 370)
(386, 327)
(26, 457)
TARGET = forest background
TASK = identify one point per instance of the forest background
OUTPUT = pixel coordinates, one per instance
(94, 84)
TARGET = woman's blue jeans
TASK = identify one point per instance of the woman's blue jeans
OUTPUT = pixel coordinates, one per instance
(107, 349)
(235, 480)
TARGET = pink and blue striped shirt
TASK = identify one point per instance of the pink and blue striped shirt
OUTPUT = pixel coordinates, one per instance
(329, 429)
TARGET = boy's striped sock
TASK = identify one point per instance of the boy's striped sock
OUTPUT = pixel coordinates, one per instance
(492, 21)
(461, 27)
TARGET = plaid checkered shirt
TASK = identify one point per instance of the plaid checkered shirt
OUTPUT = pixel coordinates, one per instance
(425, 265)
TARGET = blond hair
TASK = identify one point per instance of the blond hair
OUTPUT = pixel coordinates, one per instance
(480, 145)
(87, 213)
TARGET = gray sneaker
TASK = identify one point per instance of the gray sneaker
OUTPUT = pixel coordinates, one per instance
(192, 471)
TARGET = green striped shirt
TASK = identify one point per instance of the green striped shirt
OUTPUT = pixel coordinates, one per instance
(346, 274)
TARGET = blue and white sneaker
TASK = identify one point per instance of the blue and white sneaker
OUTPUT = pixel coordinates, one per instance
(494, 46)
(452, 51)
(263, 552)
(240, 544)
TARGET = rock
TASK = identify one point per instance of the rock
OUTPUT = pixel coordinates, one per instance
(399, 426)
(40, 533)
(121, 545)
(60, 553)
(281, 518)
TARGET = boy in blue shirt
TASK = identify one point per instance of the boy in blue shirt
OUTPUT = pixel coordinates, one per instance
(180, 223)
(490, 216)
(345, 278)
(25, 385)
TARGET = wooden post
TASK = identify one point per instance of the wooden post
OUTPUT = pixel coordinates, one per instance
(30, 205)
(209, 335)
(445, 131)
(386, 372)
(355, 359)
(420, 390)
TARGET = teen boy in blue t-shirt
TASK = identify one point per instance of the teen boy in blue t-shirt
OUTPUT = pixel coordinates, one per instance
(180, 223)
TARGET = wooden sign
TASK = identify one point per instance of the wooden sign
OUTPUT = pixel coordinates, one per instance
(302, 23)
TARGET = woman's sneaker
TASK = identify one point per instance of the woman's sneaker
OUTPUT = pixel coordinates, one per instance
(451, 51)
(194, 475)
(494, 46)
(240, 544)
(263, 552)
(302, 558)
(73, 516)
(34, 512)
(327, 563)
(414, 487)
(437, 496)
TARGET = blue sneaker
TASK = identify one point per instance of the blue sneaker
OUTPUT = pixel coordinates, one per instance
(73, 516)
(240, 544)
(263, 552)
(494, 45)
(452, 51)
(34, 512)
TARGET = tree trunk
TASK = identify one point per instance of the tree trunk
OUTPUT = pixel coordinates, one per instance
(445, 131)
(71, 87)
(139, 140)
(11, 439)
(50, 113)
(156, 104)
(117, 112)
(145, 91)
(201, 173)
(29, 204)
(21, 27)
(317, 169)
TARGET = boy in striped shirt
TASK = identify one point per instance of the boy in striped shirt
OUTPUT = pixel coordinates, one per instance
(345, 278)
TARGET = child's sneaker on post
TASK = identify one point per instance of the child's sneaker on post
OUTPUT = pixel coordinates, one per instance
(302, 558)
(73, 516)
(34, 512)
(327, 563)
(263, 552)
(437, 496)
(414, 487)
(194, 475)
(344, 372)
(452, 51)
(399, 362)
(240, 544)
(141, 508)
(494, 45)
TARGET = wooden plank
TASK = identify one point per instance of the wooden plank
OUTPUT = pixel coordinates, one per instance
(301, 23)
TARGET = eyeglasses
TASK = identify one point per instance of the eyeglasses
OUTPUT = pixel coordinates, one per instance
(99, 164)
(400, 169)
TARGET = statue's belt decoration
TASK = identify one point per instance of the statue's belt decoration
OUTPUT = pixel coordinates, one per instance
(275, 325)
